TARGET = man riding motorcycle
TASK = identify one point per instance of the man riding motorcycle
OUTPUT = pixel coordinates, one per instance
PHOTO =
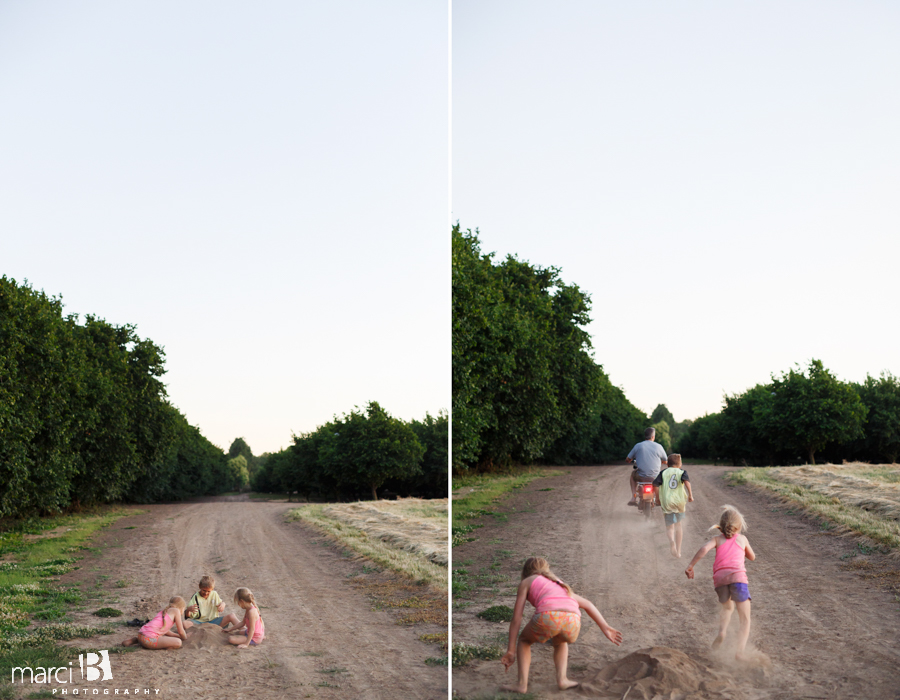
(649, 457)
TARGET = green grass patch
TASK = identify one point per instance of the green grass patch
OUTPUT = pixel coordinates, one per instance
(464, 653)
(497, 613)
(486, 491)
(42, 550)
(436, 661)
(108, 612)
(837, 495)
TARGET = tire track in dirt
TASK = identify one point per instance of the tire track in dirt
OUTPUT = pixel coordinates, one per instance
(315, 621)
(819, 632)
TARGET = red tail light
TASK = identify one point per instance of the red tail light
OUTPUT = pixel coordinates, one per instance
(648, 488)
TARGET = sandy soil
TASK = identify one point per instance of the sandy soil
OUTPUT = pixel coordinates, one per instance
(323, 640)
(818, 631)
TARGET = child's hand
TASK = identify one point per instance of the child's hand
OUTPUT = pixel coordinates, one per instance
(689, 572)
(221, 607)
(690, 499)
(509, 658)
(612, 635)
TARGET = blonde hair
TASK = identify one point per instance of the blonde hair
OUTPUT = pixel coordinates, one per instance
(730, 522)
(177, 602)
(539, 565)
(207, 582)
(674, 457)
(244, 595)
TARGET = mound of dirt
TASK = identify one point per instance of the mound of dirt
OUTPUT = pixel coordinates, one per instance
(205, 637)
(660, 673)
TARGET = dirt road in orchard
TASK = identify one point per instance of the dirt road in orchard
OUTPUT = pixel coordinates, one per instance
(324, 639)
(818, 630)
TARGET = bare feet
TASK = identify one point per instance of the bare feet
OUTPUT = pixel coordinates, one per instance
(566, 684)
(674, 550)
(717, 642)
(131, 641)
(514, 688)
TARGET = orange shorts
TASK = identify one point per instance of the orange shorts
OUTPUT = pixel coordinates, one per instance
(148, 641)
(556, 625)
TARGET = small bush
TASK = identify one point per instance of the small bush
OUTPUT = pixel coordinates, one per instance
(108, 612)
(464, 653)
(497, 613)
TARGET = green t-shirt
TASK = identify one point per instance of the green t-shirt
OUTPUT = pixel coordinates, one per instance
(208, 607)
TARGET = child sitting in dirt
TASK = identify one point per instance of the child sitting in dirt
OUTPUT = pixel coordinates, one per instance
(158, 633)
(252, 622)
(557, 617)
(206, 605)
(673, 491)
(729, 574)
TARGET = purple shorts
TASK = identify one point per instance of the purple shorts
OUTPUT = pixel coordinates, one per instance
(738, 592)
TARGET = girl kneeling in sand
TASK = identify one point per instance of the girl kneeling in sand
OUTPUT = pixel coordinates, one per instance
(158, 633)
(255, 630)
(557, 617)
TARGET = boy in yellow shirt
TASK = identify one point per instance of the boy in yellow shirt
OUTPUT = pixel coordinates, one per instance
(205, 604)
(673, 491)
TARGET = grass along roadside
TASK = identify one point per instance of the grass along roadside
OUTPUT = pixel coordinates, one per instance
(415, 562)
(861, 499)
(33, 610)
(475, 496)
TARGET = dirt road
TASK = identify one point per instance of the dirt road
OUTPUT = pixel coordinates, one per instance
(817, 631)
(323, 637)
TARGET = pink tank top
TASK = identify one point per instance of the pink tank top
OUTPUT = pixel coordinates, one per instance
(159, 625)
(546, 595)
(729, 564)
(260, 632)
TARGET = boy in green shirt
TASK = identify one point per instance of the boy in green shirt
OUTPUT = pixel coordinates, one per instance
(673, 490)
(206, 605)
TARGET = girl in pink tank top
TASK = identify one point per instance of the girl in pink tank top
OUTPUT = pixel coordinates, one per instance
(166, 630)
(729, 574)
(250, 630)
(557, 617)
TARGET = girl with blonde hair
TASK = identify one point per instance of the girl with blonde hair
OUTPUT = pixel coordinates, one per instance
(557, 617)
(159, 632)
(251, 630)
(729, 573)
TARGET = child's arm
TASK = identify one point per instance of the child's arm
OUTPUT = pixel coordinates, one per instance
(193, 609)
(687, 486)
(611, 634)
(509, 658)
(748, 550)
(221, 606)
(702, 552)
(178, 624)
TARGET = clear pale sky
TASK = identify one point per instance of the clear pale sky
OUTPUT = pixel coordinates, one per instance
(723, 178)
(261, 188)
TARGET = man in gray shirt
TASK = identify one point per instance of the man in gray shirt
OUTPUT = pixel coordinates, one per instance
(648, 457)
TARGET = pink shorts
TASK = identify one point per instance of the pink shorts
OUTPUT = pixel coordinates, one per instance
(556, 625)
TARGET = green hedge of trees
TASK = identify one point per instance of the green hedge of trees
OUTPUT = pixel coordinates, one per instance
(354, 456)
(84, 417)
(525, 384)
(800, 415)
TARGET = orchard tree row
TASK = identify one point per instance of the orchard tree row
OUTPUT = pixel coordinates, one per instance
(525, 385)
(800, 416)
(84, 417)
(354, 456)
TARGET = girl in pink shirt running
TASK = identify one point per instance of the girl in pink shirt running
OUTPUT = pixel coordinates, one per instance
(557, 617)
(729, 574)
(247, 632)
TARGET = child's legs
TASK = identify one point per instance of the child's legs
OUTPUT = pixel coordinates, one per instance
(561, 661)
(239, 639)
(724, 618)
(230, 618)
(524, 654)
(670, 532)
(743, 609)
(166, 642)
(679, 534)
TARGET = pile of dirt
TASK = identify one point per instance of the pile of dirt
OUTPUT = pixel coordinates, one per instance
(205, 637)
(414, 535)
(660, 673)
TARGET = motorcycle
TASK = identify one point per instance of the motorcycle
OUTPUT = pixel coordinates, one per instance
(645, 498)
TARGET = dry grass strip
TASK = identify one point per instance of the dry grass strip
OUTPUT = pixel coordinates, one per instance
(857, 498)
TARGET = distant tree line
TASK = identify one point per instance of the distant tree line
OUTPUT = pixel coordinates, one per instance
(358, 454)
(84, 417)
(802, 415)
(525, 385)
